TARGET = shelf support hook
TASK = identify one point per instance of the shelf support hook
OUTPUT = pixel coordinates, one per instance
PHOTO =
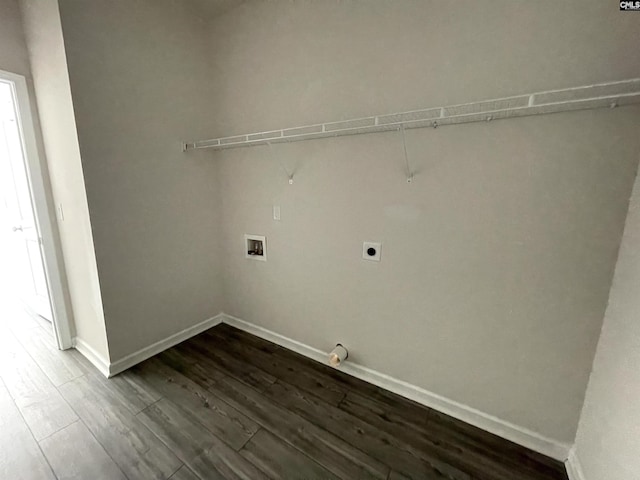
(406, 155)
(284, 169)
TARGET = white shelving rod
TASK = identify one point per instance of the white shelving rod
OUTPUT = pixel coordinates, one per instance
(602, 95)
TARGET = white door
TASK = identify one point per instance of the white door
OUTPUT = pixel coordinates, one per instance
(22, 261)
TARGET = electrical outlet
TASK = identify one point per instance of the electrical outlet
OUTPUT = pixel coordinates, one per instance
(371, 251)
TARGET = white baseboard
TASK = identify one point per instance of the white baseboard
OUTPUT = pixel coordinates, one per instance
(90, 354)
(520, 435)
(147, 352)
(574, 469)
(489, 423)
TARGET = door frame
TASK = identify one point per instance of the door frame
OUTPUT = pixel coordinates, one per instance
(43, 209)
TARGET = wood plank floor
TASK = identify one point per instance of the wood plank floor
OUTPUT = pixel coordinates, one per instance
(226, 405)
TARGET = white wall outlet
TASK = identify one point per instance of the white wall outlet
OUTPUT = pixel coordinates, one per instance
(371, 251)
(276, 212)
(255, 247)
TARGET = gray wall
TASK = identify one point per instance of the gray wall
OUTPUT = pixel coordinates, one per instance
(13, 54)
(50, 77)
(608, 443)
(497, 260)
(139, 74)
(288, 63)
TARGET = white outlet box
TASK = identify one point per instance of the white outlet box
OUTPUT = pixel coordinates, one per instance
(255, 247)
(371, 251)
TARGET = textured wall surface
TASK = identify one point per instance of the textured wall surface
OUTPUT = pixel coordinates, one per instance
(13, 54)
(497, 259)
(55, 106)
(139, 73)
(304, 62)
(608, 443)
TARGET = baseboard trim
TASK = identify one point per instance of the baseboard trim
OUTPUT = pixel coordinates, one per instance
(574, 469)
(90, 354)
(520, 435)
(162, 345)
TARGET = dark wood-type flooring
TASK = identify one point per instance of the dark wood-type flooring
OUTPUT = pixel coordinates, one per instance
(226, 405)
